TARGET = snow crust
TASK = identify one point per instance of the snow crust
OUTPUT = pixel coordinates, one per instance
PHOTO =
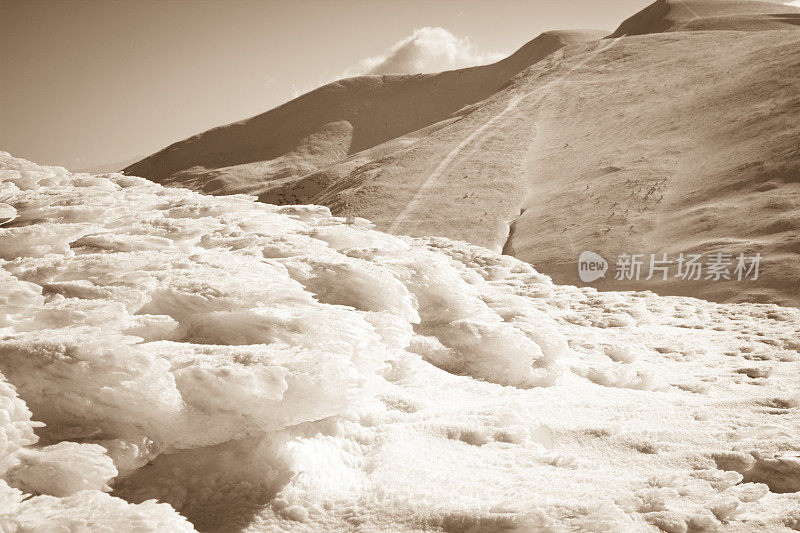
(254, 367)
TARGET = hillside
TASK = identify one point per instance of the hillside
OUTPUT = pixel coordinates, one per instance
(333, 122)
(648, 142)
(176, 362)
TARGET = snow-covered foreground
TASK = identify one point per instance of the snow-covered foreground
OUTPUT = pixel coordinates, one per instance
(254, 367)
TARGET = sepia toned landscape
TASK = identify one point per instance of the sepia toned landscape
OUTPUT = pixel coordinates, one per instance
(555, 291)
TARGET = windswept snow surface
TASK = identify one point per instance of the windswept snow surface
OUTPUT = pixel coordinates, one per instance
(225, 365)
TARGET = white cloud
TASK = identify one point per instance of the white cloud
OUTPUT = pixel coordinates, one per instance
(425, 50)
(795, 3)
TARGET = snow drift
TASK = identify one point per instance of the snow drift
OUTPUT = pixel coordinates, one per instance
(251, 366)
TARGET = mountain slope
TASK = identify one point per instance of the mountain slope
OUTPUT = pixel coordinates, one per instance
(666, 143)
(695, 151)
(327, 124)
(632, 148)
(676, 142)
(264, 368)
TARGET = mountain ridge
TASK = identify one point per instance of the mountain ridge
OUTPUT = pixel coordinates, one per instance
(679, 141)
(375, 109)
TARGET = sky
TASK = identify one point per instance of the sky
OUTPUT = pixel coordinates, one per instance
(89, 83)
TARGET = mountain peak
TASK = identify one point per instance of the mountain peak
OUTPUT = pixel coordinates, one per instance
(697, 15)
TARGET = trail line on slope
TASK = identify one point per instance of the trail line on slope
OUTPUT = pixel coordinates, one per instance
(448, 159)
(689, 9)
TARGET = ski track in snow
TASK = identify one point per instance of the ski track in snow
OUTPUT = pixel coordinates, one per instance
(445, 163)
(448, 159)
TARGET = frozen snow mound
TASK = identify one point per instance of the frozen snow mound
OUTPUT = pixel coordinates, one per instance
(138, 320)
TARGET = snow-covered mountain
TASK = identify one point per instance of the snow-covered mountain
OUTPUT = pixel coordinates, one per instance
(328, 124)
(676, 134)
(258, 368)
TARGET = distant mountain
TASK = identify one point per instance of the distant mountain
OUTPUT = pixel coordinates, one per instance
(662, 138)
(109, 167)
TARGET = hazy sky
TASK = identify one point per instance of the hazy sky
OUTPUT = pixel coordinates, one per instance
(85, 83)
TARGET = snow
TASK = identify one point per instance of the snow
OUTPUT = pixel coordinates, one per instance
(174, 361)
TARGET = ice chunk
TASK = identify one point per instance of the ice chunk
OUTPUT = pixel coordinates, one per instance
(88, 511)
(16, 429)
(7, 213)
(62, 469)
